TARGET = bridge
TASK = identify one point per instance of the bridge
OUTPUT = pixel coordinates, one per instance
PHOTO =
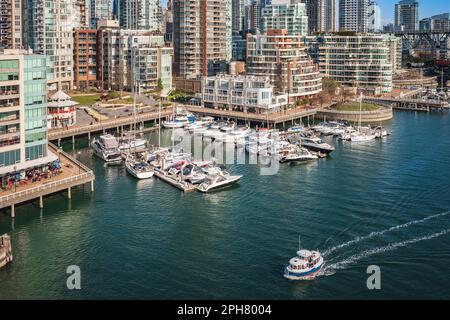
(435, 39)
(411, 104)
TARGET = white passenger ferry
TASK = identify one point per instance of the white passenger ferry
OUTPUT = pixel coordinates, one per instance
(305, 266)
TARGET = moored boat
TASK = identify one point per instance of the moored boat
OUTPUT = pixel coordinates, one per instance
(106, 148)
(139, 169)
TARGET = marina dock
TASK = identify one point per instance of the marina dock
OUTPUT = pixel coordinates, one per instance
(273, 119)
(182, 185)
(73, 174)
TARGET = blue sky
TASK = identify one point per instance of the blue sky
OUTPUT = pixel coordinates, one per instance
(427, 8)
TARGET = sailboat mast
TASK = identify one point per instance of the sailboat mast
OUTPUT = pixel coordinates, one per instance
(360, 110)
(159, 124)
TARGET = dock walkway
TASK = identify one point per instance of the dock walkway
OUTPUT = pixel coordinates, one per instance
(118, 123)
(271, 118)
(182, 185)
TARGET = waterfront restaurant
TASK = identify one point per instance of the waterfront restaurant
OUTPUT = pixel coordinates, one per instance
(23, 117)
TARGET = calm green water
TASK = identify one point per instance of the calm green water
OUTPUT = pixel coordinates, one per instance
(364, 205)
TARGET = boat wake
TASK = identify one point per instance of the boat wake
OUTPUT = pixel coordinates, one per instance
(379, 233)
(331, 268)
(341, 261)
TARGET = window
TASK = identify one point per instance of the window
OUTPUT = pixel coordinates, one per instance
(10, 157)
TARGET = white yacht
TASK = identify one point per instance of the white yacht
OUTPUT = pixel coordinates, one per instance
(362, 137)
(217, 181)
(295, 153)
(139, 169)
(179, 119)
(132, 143)
(106, 148)
(314, 143)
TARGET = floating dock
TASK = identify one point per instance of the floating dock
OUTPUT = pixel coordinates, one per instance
(182, 185)
(5, 250)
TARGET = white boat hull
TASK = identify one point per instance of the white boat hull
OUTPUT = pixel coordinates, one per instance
(139, 174)
(218, 185)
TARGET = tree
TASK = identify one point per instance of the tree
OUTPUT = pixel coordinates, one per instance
(160, 85)
(329, 86)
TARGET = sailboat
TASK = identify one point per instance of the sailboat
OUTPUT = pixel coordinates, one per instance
(359, 135)
(130, 141)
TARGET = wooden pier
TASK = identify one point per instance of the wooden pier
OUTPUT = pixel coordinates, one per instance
(74, 174)
(182, 185)
(272, 119)
(119, 124)
(5, 250)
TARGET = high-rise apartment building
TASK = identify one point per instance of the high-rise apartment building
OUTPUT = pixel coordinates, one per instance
(202, 37)
(238, 13)
(82, 8)
(140, 15)
(440, 23)
(11, 24)
(374, 17)
(407, 15)
(283, 58)
(99, 10)
(290, 16)
(133, 59)
(49, 31)
(353, 15)
(85, 58)
(368, 61)
(23, 112)
(321, 15)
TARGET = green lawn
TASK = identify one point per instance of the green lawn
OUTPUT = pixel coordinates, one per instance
(354, 106)
(87, 100)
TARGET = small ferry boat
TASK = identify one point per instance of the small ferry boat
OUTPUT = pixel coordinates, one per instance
(305, 266)
(139, 169)
(106, 148)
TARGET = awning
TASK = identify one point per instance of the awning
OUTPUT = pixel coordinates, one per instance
(29, 164)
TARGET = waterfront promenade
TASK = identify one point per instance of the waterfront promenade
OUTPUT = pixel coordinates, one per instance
(102, 126)
(273, 119)
(73, 173)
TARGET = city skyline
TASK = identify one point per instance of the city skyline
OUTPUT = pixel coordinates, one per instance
(428, 9)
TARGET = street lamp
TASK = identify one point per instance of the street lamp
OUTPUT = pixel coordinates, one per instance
(79, 162)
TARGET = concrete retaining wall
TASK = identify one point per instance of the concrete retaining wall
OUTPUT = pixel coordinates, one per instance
(383, 114)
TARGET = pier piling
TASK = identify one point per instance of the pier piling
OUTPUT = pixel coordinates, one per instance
(69, 193)
(92, 186)
(13, 211)
(41, 202)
